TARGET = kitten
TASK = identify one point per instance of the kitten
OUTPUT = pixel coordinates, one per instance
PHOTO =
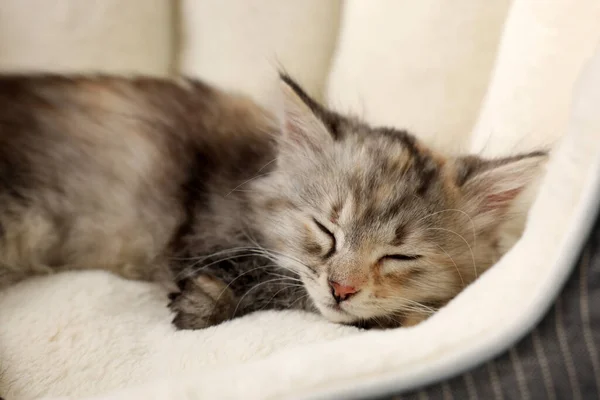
(178, 182)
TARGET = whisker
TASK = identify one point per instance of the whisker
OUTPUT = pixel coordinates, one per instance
(276, 293)
(250, 180)
(285, 276)
(205, 257)
(464, 240)
(273, 257)
(235, 279)
(412, 304)
(458, 211)
(250, 251)
(267, 164)
(388, 314)
(451, 259)
(453, 262)
(276, 253)
(297, 300)
(195, 271)
(251, 289)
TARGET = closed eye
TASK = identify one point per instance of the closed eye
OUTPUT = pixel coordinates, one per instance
(402, 257)
(327, 232)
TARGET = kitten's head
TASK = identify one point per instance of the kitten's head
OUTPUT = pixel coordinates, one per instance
(379, 227)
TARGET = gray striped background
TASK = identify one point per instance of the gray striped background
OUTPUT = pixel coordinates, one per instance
(558, 360)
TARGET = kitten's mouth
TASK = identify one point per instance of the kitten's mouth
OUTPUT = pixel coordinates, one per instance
(335, 313)
(337, 308)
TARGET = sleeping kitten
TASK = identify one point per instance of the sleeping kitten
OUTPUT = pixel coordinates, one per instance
(182, 183)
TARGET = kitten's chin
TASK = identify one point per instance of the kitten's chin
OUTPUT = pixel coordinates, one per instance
(335, 314)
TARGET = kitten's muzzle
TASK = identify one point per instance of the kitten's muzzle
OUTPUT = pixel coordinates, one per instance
(341, 292)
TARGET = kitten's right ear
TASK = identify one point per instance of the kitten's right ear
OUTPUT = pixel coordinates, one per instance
(301, 127)
(489, 187)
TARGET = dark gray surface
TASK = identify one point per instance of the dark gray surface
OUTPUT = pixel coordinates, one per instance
(558, 360)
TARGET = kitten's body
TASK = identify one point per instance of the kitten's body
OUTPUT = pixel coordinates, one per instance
(165, 180)
(132, 176)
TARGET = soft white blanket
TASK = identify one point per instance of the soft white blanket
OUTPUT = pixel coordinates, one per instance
(434, 69)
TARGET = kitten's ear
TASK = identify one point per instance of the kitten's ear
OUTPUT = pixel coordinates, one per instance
(489, 187)
(301, 127)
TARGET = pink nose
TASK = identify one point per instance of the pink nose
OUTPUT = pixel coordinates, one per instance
(341, 292)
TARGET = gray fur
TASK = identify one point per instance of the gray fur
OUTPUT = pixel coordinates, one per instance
(238, 210)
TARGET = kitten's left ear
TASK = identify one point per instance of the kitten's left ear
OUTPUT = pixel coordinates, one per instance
(490, 186)
(300, 125)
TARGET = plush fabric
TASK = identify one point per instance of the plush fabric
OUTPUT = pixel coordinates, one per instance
(559, 359)
(240, 44)
(541, 54)
(86, 334)
(111, 36)
(544, 48)
(421, 65)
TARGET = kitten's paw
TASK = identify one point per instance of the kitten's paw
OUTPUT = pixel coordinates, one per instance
(203, 301)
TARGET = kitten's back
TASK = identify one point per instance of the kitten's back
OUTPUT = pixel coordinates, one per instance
(98, 172)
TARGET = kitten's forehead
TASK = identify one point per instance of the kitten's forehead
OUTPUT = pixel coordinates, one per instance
(366, 178)
(391, 181)
(390, 166)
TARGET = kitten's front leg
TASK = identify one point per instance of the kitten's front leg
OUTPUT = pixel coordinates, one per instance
(203, 301)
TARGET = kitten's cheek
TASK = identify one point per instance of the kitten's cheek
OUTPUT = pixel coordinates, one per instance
(413, 319)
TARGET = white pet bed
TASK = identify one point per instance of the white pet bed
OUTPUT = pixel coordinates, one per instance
(492, 78)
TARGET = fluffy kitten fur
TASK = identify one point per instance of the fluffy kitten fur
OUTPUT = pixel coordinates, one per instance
(182, 183)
